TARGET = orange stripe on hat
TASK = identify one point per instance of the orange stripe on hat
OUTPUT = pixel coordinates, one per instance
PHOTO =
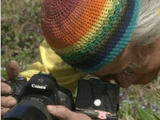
(74, 27)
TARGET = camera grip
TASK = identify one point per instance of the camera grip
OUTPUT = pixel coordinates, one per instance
(16, 85)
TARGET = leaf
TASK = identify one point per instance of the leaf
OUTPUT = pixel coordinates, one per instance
(144, 115)
(149, 111)
(157, 117)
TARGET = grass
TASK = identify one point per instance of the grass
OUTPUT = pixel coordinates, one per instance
(139, 96)
(20, 32)
(20, 26)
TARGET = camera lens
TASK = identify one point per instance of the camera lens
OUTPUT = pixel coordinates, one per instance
(29, 109)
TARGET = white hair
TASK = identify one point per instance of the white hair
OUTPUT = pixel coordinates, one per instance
(148, 24)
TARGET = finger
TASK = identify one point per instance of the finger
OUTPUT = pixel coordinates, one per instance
(8, 101)
(5, 89)
(60, 112)
(12, 70)
(4, 111)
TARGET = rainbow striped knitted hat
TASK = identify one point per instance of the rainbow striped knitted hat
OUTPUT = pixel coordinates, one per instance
(89, 34)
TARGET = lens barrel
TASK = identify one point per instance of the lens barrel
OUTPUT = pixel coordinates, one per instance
(30, 108)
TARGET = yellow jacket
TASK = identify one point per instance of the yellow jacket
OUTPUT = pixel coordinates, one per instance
(49, 62)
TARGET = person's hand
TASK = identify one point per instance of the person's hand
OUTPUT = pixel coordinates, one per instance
(7, 101)
(63, 113)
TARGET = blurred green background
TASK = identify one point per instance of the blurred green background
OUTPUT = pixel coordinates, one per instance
(20, 31)
(20, 38)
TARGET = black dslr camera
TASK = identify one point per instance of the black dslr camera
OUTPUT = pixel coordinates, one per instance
(35, 95)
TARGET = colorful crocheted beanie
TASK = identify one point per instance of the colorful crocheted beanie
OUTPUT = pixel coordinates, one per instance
(89, 34)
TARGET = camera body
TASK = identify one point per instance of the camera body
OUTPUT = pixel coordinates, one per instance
(96, 98)
(33, 97)
(101, 99)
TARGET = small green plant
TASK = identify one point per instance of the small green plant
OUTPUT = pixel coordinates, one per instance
(127, 111)
(148, 114)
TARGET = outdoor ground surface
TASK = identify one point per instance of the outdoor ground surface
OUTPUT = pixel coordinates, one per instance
(20, 33)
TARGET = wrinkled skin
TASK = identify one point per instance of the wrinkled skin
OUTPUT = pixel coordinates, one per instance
(146, 56)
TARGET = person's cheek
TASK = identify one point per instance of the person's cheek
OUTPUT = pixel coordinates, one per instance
(146, 77)
(152, 59)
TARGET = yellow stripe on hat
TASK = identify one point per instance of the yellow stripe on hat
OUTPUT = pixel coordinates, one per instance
(108, 6)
